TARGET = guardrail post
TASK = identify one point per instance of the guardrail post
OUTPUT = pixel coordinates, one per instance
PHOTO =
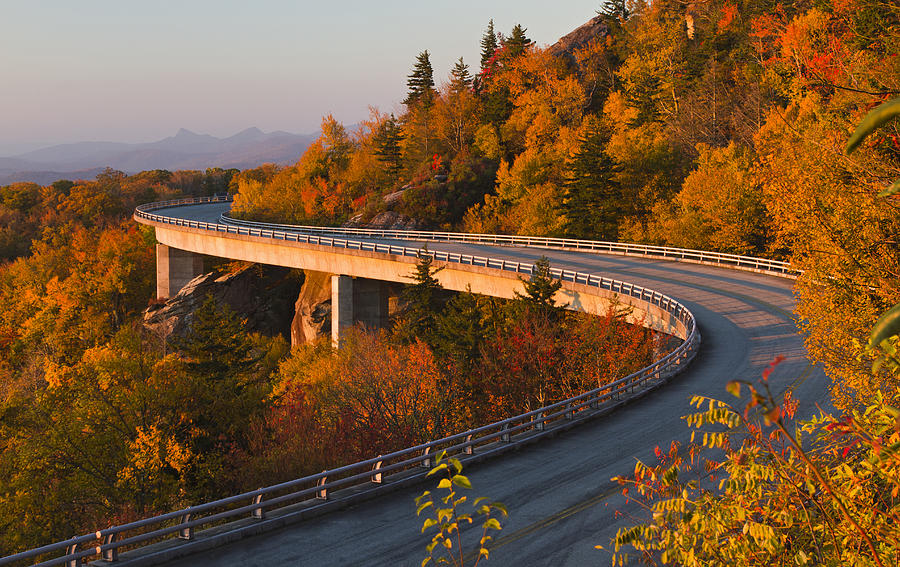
(377, 477)
(258, 513)
(570, 414)
(595, 402)
(322, 493)
(186, 532)
(504, 437)
(110, 554)
(426, 458)
(540, 424)
(470, 450)
(72, 549)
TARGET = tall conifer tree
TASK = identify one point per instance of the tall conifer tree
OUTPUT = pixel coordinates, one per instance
(517, 42)
(539, 291)
(460, 78)
(387, 140)
(422, 301)
(615, 11)
(489, 45)
(593, 201)
(420, 82)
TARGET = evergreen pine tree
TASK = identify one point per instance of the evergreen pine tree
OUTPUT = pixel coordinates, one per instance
(420, 82)
(615, 12)
(216, 347)
(461, 329)
(592, 203)
(387, 140)
(489, 51)
(460, 79)
(489, 45)
(219, 356)
(516, 43)
(642, 95)
(422, 302)
(539, 291)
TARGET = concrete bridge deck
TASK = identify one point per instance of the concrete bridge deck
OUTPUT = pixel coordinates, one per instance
(559, 493)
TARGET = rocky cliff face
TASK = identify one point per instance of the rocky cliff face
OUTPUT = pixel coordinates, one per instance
(575, 40)
(312, 310)
(387, 220)
(263, 295)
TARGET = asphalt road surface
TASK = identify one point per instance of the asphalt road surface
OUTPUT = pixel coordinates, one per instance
(559, 494)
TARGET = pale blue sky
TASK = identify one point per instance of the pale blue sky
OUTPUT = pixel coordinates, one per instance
(135, 71)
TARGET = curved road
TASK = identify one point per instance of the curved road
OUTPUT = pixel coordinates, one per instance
(559, 493)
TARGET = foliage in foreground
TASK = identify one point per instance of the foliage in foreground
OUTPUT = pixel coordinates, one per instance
(833, 501)
(822, 491)
(446, 515)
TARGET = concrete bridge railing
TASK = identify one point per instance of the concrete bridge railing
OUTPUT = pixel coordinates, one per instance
(273, 506)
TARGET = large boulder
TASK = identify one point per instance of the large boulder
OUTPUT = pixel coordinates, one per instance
(262, 295)
(386, 220)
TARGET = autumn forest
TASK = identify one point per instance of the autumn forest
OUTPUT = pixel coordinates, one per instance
(717, 125)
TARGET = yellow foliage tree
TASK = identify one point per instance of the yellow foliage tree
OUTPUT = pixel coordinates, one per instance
(720, 207)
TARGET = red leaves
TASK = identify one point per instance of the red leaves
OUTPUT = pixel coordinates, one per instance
(778, 360)
(729, 13)
(842, 425)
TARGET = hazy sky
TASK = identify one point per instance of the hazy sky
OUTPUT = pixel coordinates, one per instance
(136, 71)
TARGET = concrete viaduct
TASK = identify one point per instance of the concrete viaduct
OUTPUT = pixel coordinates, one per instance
(561, 500)
(358, 276)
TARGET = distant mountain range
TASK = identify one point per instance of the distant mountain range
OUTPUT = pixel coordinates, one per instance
(184, 150)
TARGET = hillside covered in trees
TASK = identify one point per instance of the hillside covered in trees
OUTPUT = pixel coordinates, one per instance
(103, 420)
(718, 125)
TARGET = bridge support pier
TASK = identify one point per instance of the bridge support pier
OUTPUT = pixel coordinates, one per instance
(341, 307)
(370, 302)
(174, 269)
(358, 300)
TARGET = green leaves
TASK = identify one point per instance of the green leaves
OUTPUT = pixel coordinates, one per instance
(448, 518)
(461, 481)
(876, 118)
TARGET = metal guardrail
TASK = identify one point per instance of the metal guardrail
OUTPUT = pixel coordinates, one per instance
(106, 543)
(750, 263)
(772, 267)
(254, 504)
